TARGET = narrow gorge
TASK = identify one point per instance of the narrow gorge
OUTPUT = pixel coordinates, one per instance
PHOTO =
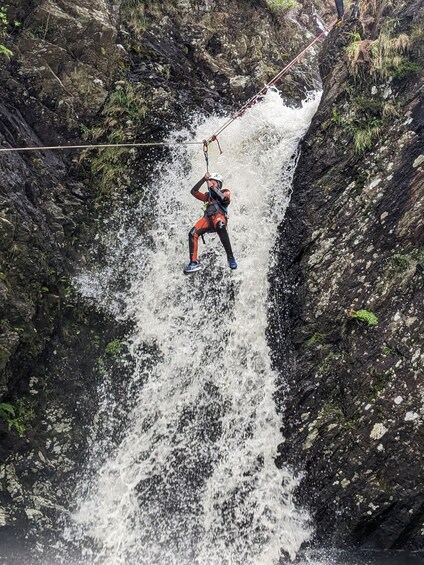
(271, 414)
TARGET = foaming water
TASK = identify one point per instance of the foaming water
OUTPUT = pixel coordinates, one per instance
(194, 479)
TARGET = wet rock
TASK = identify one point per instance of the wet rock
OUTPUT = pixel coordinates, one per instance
(353, 241)
(96, 71)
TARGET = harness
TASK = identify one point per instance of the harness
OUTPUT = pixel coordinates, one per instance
(217, 207)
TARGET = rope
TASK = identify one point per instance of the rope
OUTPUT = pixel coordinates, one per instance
(205, 153)
(205, 143)
(265, 89)
(102, 145)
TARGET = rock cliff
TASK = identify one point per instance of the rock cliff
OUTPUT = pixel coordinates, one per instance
(348, 287)
(95, 71)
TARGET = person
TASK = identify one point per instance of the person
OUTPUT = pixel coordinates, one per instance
(340, 10)
(214, 219)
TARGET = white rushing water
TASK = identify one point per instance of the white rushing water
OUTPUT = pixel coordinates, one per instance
(194, 479)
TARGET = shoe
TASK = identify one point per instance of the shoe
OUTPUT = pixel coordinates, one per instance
(232, 263)
(192, 267)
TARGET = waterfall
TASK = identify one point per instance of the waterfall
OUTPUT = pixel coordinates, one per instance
(193, 480)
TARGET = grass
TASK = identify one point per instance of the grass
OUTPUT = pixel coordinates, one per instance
(365, 125)
(364, 137)
(123, 113)
(387, 56)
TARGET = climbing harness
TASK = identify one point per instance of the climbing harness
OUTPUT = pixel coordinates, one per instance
(206, 142)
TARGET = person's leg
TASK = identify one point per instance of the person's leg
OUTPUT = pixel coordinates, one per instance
(201, 227)
(225, 240)
(340, 9)
(220, 224)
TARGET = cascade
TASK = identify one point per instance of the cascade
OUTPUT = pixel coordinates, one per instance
(193, 478)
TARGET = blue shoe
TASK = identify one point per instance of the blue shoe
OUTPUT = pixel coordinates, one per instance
(192, 267)
(232, 263)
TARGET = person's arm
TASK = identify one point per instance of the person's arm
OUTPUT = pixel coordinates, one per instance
(195, 191)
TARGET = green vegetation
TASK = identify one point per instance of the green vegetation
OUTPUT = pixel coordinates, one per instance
(330, 410)
(387, 56)
(365, 135)
(134, 12)
(114, 347)
(122, 115)
(364, 316)
(328, 363)
(17, 417)
(360, 180)
(315, 339)
(378, 383)
(403, 262)
(363, 126)
(4, 22)
(388, 53)
(7, 411)
(278, 6)
(364, 117)
(387, 350)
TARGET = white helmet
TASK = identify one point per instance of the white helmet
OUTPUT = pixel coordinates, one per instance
(217, 177)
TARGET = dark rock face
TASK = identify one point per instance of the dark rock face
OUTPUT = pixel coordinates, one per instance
(352, 247)
(94, 70)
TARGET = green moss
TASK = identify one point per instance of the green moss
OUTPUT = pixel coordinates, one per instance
(404, 261)
(387, 350)
(364, 316)
(378, 383)
(330, 410)
(360, 181)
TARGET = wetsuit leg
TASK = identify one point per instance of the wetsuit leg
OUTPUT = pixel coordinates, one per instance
(201, 227)
(340, 9)
(225, 240)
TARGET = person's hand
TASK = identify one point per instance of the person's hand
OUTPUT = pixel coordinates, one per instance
(207, 175)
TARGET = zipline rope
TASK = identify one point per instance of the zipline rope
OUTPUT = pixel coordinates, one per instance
(272, 83)
(205, 142)
(101, 145)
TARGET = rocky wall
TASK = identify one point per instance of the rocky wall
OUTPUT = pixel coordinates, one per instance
(348, 288)
(95, 71)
